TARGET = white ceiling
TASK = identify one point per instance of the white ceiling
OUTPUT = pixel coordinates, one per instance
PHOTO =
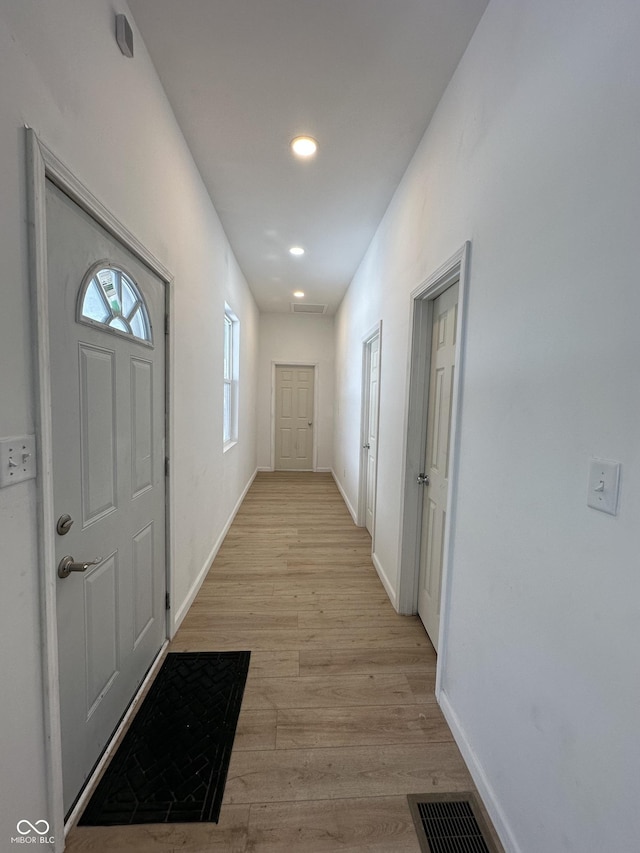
(246, 76)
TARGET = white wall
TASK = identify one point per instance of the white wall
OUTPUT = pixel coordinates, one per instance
(107, 118)
(287, 339)
(532, 155)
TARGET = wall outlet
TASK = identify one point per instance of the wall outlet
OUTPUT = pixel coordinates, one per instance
(17, 459)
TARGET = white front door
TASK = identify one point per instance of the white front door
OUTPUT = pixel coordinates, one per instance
(108, 400)
(436, 465)
(371, 433)
(294, 418)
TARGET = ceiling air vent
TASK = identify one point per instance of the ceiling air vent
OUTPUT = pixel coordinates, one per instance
(307, 308)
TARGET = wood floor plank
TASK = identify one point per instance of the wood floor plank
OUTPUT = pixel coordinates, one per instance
(234, 589)
(375, 825)
(421, 685)
(343, 661)
(202, 618)
(188, 639)
(279, 664)
(227, 836)
(361, 726)
(329, 619)
(307, 577)
(364, 602)
(256, 729)
(323, 691)
(335, 773)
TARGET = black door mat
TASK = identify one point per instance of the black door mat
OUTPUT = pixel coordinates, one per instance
(172, 764)
(450, 823)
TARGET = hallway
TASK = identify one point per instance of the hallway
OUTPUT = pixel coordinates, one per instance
(339, 720)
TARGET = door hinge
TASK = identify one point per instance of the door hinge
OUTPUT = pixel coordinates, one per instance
(166, 324)
(167, 601)
(166, 466)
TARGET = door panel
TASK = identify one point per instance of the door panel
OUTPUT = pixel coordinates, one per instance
(294, 418)
(108, 475)
(302, 451)
(436, 464)
(102, 612)
(143, 579)
(371, 444)
(97, 432)
(141, 424)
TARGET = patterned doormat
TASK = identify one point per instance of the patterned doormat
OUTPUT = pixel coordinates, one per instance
(172, 764)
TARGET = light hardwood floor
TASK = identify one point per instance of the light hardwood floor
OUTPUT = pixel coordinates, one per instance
(339, 720)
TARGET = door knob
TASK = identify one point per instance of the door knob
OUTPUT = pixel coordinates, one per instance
(309, 423)
(67, 565)
(366, 446)
(422, 479)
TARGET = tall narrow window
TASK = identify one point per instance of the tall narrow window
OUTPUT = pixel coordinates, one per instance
(230, 378)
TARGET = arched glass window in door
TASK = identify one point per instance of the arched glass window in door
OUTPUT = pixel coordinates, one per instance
(110, 298)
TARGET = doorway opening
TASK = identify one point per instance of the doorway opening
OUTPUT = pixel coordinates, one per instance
(294, 446)
(425, 411)
(371, 352)
(111, 314)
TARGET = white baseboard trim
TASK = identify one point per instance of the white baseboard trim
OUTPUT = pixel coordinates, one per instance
(385, 582)
(269, 470)
(487, 794)
(354, 514)
(182, 611)
(93, 780)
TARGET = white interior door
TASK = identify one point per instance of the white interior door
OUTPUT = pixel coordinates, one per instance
(294, 418)
(108, 471)
(436, 465)
(371, 439)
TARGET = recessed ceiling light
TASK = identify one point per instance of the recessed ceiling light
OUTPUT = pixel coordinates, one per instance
(296, 251)
(304, 146)
(298, 294)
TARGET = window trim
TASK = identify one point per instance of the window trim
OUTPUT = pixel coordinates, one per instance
(230, 373)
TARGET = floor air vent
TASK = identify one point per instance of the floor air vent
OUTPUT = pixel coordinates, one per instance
(450, 823)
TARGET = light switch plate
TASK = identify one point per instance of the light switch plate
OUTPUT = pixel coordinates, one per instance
(17, 459)
(604, 484)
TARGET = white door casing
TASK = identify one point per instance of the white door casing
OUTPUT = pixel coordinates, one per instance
(455, 269)
(108, 406)
(370, 418)
(372, 432)
(294, 416)
(436, 464)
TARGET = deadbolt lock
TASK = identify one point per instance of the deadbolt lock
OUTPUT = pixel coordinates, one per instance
(64, 525)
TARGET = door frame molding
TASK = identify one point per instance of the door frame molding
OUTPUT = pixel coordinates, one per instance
(43, 165)
(454, 269)
(373, 333)
(316, 387)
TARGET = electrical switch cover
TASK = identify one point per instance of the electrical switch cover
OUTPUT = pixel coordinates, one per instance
(17, 459)
(604, 483)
